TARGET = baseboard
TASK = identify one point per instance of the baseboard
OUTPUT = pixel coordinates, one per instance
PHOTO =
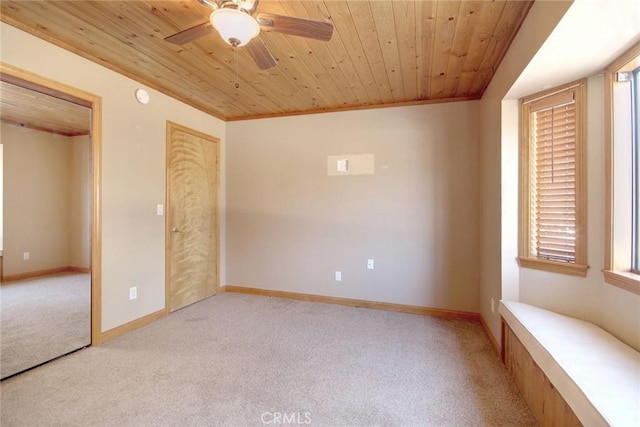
(32, 274)
(492, 339)
(131, 326)
(411, 309)
(83, 270)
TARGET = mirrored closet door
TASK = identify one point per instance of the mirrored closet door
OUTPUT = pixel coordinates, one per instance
(45, 227)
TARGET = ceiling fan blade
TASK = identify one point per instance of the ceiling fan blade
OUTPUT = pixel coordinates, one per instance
(211, 4)
(295, 26)
(260, 54)
(190, 34)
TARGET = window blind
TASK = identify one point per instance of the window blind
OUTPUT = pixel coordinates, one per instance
(553, 204)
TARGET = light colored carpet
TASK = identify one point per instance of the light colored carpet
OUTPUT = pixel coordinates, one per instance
(239, 359)
(43, 318)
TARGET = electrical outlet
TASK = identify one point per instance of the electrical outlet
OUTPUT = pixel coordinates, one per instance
(26, 256)
(369, 264)
(338, 276)
(493, 305)
(133, 293)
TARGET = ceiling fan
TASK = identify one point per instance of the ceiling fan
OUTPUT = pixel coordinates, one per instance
(235, 22)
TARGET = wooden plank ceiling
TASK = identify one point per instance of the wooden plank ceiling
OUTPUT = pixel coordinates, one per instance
(383, 52)
(27, 108)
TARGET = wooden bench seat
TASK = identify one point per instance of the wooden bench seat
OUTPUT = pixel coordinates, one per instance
(594, 373)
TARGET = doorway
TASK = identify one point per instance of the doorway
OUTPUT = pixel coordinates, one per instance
(70, 271)
(192, 233)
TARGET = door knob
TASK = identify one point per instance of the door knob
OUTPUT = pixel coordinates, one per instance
(175, 230)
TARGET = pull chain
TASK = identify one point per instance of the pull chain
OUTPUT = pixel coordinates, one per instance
(235, 57)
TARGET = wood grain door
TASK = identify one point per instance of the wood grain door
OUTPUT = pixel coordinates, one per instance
(192, 216)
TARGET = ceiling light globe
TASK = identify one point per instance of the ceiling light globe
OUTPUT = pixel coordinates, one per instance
(235, 27)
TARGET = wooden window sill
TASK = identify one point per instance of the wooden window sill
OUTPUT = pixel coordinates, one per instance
(623, 279)
(554, 266)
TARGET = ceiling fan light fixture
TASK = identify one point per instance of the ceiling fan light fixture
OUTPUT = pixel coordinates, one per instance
(237, 28)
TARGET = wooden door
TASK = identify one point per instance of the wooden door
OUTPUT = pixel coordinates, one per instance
(192, 258)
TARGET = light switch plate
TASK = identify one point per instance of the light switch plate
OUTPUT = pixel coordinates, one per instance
(350, 164)
(160, 210)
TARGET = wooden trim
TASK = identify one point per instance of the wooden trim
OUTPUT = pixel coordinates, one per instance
(218, 248)
(40, 83)
(622, 279)
(410, 309)
(623, 59)
(503, 338)
(494, 343)
(38, 86)
(196, 133)
(524, 186)
(167, 220)
(356, 108)
(581, 178)
(608, 170)
(554, 266)
(132, 326)
(96, 223)
(525, 260)
(83, 270)
(553, 91)
(37, 273)
(167, 223)
(27, 79)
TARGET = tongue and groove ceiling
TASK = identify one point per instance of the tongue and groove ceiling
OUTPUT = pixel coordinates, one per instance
(383, 52)
(20, 106)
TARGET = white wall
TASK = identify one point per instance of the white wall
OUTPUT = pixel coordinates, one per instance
(498, 203)
(133, 162)
(36, 197)
(47, 200)
(290, 226)
(80, 202)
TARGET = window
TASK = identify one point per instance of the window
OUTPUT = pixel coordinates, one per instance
(552, 178)
(622, 166)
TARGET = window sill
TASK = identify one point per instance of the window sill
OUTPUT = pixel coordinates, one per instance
(623, 279)
(553, 266)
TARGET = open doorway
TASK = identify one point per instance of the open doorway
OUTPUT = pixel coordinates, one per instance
(50, 231)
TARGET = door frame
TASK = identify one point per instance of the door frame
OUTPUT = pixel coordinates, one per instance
(167, 257)
(29, 80)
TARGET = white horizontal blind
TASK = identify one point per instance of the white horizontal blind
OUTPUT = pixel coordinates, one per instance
(553, 204)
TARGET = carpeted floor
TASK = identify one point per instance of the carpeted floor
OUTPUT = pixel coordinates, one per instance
(43, 318)
(249, 360)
